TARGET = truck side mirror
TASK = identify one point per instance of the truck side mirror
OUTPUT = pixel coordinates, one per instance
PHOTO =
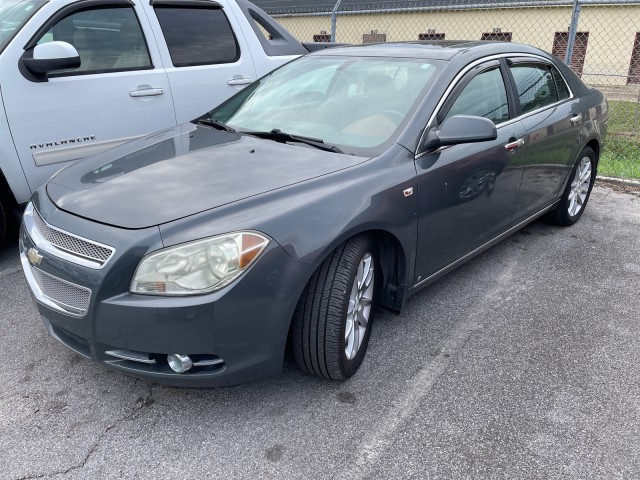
(52, 56)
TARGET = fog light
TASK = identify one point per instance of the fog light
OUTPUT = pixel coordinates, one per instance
(179, 363)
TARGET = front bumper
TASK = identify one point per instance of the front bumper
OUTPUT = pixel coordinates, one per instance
(235, 335)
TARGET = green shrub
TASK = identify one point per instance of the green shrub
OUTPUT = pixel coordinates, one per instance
(621, 155)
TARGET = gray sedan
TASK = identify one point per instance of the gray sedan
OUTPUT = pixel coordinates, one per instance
(339, 184)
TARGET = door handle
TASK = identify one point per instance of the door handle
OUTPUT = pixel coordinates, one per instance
(575, 120)
(146, 92)
(237, 80)
(513, 146)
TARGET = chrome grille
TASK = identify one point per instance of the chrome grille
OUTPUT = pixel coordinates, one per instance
(72, 298)
(72, 244)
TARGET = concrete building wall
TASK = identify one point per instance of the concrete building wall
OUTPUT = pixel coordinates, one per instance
(611, 30)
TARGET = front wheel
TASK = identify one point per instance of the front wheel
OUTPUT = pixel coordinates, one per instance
(576, 194)
(332, 322)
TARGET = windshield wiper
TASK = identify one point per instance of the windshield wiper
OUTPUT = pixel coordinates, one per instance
(206, 120)
(280, 136)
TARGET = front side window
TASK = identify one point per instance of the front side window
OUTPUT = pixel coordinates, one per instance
(107, 39)
(197, 36)
(535, 85)
(357, 103)
(14, 14)
(484, 96)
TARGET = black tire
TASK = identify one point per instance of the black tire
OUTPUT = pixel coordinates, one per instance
(320, 320)
(3, 224)
(561, 215)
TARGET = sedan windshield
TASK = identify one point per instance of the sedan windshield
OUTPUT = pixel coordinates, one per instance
(359, 104)
(13, 15)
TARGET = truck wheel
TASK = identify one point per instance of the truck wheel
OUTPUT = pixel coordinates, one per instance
(332, 322)
(3, 223)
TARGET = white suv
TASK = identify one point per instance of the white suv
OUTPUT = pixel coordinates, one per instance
(79, 77)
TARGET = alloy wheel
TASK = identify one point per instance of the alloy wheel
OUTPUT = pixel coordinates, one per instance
(359, 308)
(580, 187)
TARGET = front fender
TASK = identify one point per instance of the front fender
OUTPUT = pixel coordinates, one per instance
(311, 218)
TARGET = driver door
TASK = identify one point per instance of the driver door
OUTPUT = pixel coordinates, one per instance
(467, 192)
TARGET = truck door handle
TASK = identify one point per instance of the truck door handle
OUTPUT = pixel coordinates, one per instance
(238, 80)
(146, 92)
(513, 146)
(575, 120)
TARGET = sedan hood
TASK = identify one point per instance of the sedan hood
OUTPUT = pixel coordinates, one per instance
(182, 171)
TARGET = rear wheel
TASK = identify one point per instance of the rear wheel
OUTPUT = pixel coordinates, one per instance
(332, 323)
(576, 194)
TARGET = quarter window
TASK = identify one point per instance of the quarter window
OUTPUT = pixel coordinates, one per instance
(484, 96)
(563, 90)
(535, 85)
(208, 40)
(107, 39)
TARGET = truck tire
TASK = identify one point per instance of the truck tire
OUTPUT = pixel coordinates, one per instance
(3, 223)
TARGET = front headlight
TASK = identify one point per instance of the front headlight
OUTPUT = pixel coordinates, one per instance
(197, 267)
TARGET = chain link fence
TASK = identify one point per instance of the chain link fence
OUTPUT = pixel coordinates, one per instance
(599, 39)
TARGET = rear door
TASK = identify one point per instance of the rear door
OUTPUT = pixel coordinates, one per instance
(119, 92)
(208, 61)
(553, 120)
(467, 192)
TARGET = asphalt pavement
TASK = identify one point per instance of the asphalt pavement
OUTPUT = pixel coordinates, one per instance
(524, 363)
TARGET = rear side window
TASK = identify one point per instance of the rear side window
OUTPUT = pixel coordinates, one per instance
(535, 85)
(107, 39)
(197, 36)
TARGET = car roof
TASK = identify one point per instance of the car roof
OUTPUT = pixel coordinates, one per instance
(437, 50)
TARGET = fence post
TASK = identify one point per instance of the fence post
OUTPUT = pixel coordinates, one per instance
(573, 30)
(334, 14)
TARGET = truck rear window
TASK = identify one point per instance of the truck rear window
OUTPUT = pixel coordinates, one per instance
(209, 40)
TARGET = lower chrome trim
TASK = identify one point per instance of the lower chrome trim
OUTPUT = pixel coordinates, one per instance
(132, 356)
(208, 363)
(482, 248)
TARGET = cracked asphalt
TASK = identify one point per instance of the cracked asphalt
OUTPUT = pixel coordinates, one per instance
(523, 363)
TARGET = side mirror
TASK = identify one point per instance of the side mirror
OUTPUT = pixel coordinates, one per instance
(461, 129)
(51, 56)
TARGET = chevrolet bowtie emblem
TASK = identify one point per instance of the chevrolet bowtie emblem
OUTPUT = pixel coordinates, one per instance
(34, 256)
